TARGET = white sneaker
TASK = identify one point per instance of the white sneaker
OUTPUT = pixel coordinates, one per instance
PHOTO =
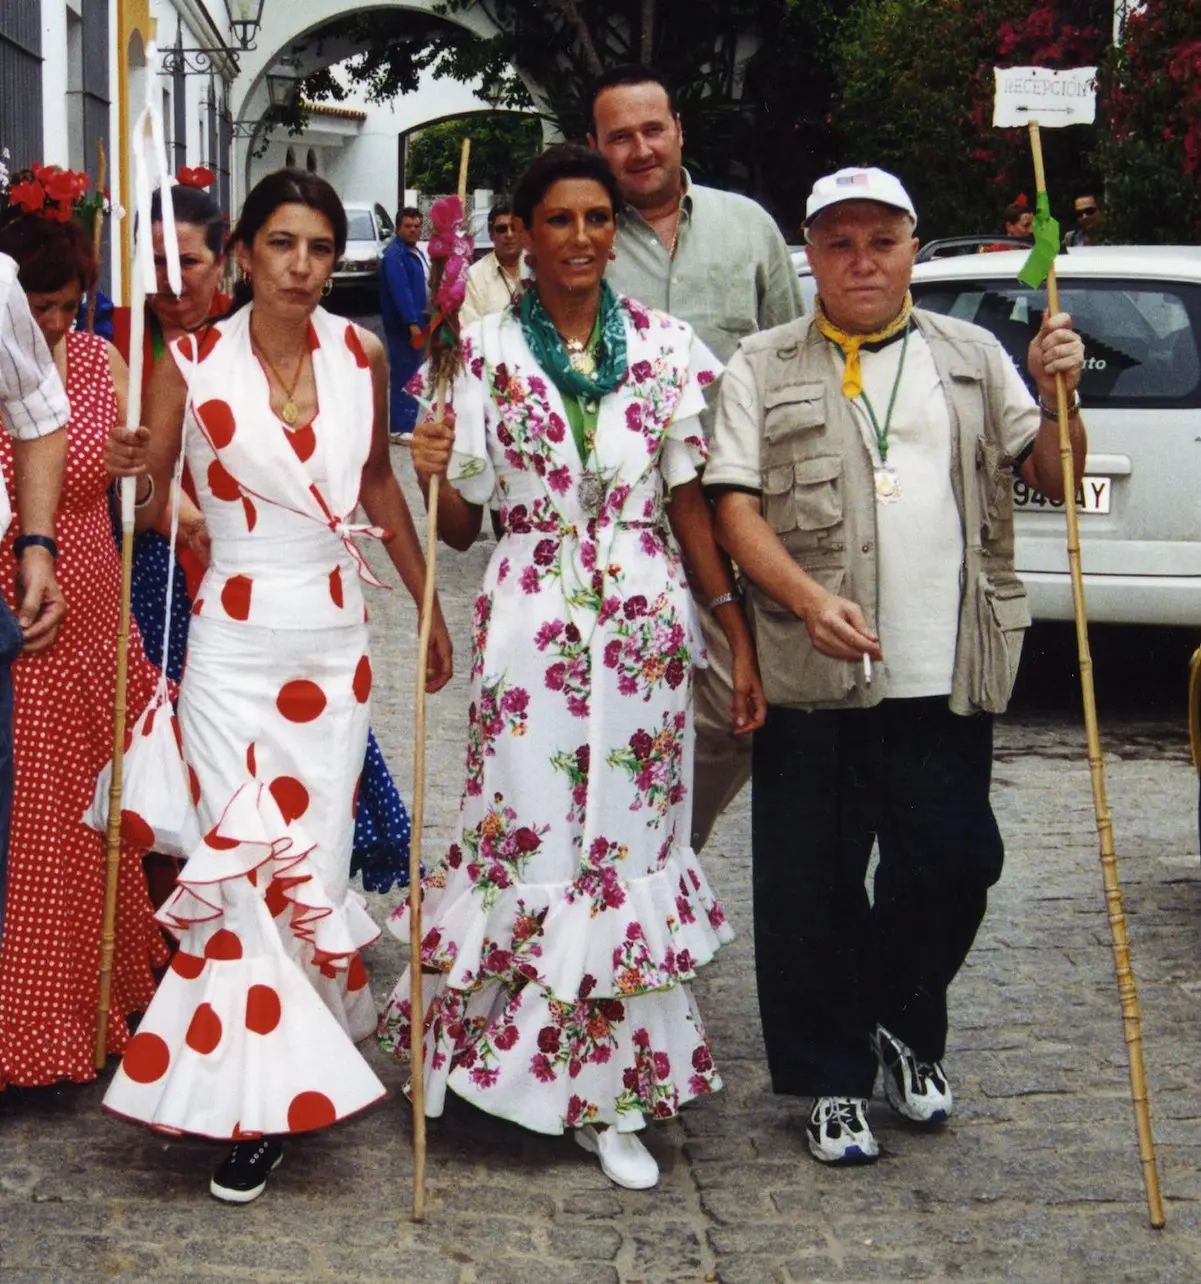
(916, 1089)
(623, 1158)
(838, 1131)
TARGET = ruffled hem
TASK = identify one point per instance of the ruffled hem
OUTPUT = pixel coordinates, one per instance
(240, 1047)
(611, 936)
(74, 1043)
(253, 841)
(525, 1056)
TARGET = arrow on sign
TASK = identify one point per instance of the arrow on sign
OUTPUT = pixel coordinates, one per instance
(1062, 111)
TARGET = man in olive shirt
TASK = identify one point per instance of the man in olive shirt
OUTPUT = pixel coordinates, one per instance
(716, 260)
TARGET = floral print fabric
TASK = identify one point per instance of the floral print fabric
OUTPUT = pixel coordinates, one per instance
(570, 915)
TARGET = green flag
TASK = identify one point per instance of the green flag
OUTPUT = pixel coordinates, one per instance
(1046, 245)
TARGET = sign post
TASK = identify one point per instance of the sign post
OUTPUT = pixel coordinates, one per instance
(1034, 97)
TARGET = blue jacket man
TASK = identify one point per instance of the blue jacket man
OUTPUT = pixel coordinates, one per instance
(402, 298)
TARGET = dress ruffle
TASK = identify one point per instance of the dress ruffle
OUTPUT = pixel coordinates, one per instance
(266, 993)
(597, 934)
(617, 1062)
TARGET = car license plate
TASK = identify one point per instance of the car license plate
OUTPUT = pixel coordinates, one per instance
(1093, 496)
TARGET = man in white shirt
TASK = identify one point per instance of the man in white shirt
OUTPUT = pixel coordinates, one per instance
(34, 410)
(493, 283)
(862, 466)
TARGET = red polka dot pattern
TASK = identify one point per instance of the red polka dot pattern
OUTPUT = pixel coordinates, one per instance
(147, 1058)
(356, 974)
(189, 966)
(251, 512)
(335, 586)
(222, 484)
(136, 831)
(362, 680)
(291, 797)
(310, 1110)
(218, 843)
(303, 441)
(263, 1009)
(224, 946)
(194, 783)
(235, 596)
(204, 1030)
(218, 421)
(300, 700)
(275, 899)
(355, 344)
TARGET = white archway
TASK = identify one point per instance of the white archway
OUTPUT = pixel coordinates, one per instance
(282, 35)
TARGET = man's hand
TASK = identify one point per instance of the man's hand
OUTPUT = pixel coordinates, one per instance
(1055, 349)
(749, 709)
(42, 603)
(837, 628)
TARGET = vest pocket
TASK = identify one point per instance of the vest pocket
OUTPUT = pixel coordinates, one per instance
(790, 409)
(1002, 618)
(794, 672)
(805, 495)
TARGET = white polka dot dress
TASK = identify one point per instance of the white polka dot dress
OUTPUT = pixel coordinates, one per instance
(253, 1030)
(63, 736)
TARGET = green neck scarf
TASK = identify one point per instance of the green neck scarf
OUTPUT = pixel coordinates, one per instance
(551, 354)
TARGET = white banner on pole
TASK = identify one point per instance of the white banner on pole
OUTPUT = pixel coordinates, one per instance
(1053, 98)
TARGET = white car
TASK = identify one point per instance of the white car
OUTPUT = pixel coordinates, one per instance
(368, 231)
(1138, 310)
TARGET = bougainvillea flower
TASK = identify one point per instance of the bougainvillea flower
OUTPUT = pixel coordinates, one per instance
(29, 196)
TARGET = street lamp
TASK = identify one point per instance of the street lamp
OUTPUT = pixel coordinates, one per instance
(283, 84)
(245, 19)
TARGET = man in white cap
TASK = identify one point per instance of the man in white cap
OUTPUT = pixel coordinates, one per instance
(862, 464)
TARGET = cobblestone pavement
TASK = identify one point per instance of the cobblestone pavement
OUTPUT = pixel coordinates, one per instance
(1036, 1178)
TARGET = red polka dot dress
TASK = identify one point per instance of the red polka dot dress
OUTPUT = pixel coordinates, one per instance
(254, 1027)
(63, 736)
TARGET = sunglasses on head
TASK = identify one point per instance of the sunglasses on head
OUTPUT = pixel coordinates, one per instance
(1086, 211)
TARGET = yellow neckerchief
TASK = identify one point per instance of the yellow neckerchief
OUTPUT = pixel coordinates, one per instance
(852, 375)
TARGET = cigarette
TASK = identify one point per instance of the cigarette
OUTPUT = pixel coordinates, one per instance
(867, 669)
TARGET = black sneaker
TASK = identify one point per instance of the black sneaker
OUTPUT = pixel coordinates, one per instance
(244, 1171)
(838, 1132)
(916, 1089)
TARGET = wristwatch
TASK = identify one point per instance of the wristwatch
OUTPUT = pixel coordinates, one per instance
(22, 542)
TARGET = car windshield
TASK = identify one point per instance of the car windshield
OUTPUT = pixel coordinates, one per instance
(359, 226)
(1140, 337)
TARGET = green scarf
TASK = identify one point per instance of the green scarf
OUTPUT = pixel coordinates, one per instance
(551, 354)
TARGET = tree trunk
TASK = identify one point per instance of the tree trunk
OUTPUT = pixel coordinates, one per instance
(571, 12)
(646, 48)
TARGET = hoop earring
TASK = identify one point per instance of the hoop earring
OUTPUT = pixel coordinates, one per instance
(328, 288)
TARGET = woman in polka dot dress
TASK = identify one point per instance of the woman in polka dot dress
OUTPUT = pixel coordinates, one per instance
(63, 726)
(282, 409)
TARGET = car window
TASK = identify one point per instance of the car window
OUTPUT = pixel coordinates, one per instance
(359, 226)
(1140, 338)
(385, 222)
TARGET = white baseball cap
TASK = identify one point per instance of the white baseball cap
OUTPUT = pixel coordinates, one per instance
(855, 184)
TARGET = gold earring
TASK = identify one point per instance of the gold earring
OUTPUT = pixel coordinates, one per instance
(328, 288)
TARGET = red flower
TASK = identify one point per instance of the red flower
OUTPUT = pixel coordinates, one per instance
(527, 840)
(549, 1039)
(29, 196)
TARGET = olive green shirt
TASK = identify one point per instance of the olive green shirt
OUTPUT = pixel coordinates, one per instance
(731, 275)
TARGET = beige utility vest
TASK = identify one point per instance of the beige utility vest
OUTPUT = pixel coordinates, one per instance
(818, 496)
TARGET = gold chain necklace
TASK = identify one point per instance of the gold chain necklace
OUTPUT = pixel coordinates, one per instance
(289, 411)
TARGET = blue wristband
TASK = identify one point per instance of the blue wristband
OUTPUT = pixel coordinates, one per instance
(22, 542)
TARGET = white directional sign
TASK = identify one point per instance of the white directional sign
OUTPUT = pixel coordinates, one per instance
(1053, 98)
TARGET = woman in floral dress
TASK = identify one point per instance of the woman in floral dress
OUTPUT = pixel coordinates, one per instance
(565, 924)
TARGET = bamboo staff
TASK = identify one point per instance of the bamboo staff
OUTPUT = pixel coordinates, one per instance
(97, 224)
(1127, 991)
(149, 125)
(444, 369)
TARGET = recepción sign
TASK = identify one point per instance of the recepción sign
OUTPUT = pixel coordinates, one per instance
(1053, 98)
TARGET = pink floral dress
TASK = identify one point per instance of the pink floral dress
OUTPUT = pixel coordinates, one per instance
(567, 921)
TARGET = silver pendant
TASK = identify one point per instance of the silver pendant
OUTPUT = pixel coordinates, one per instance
(888, 487)
(591, 493)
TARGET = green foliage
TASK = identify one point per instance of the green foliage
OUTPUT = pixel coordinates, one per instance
(502, 145)
(1151, 155)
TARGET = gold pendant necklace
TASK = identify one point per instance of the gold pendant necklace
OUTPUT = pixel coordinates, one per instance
(289, 412)
(582, 356)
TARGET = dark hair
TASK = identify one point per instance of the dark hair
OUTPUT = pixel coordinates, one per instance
(193, 205)
(630, 73)
(409, 211)
(564, 160)
(500, 207)
(49, 255)
(285, 187)
(1011, 213)
(1090, 193)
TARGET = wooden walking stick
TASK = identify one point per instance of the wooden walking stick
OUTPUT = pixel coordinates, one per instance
(443, 365)
(148, 123)
(97, 224)
(1127, 991)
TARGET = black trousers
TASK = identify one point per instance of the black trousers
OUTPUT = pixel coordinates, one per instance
(831, 962)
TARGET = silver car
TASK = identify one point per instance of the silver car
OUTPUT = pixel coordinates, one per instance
(1138, 310)
(368, 231)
